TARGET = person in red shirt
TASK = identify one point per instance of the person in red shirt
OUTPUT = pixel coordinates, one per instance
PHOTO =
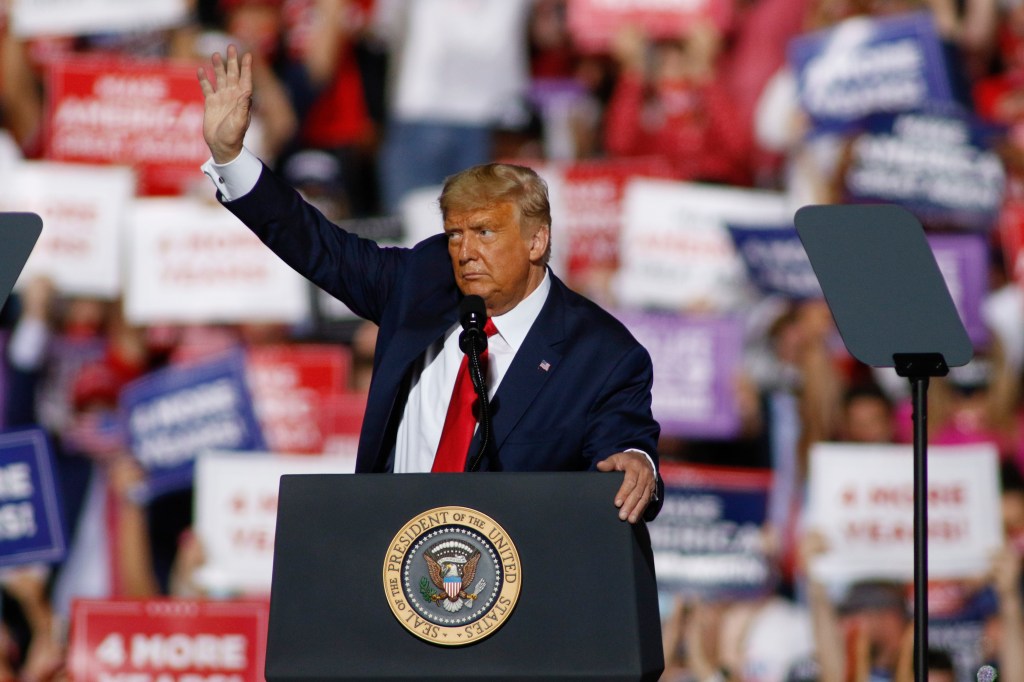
(669, 101)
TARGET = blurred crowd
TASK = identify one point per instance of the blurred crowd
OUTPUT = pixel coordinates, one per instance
(360, 103)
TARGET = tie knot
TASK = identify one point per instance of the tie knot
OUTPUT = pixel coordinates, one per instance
(489, 327)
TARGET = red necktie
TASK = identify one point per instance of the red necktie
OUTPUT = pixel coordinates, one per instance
(460, 421)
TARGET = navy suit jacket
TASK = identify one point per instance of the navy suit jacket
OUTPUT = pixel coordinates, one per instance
(577, 391)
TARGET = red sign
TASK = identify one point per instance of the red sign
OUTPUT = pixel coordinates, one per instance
(292, 386)
(167, 641)
(1011, 230)
(593, 23)
(593, 210)
(342, 420)
(145, 114)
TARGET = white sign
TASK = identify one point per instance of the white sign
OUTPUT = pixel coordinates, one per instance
(861, 498)
(78, 17)
(84, 209)
(676, 252)
(236, 513)
(195, 262)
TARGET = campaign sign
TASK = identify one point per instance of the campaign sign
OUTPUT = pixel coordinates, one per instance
(861, 497)
(939, 166)
(195, 262)
(963, 639)
(1011, 233)
(82, 17)
(84, 210)
(695, 361)
(180, 411)
(675, 250)
(868, 65)
(708, 540)
(963, 262)
(342, 420)
(146, 114)
(236, 514)
(31, 516)
(290, 384)
(163, 640)
(592, 192)
(776, 260)
(594, 23)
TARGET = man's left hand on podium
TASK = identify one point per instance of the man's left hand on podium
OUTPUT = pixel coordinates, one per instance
(638, 485)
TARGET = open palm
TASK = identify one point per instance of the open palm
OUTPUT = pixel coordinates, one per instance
(228, 104)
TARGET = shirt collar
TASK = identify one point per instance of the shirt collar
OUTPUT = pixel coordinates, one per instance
(514, 325)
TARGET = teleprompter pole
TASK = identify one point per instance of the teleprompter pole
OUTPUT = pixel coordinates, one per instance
(918, 367)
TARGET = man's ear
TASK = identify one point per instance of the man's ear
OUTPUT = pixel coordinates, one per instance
(539, 243)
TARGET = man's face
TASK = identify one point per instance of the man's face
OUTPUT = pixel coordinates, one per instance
(492, 258)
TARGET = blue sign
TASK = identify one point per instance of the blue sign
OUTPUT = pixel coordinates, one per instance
(709, 538)
(175, 414)
(869, 65)
(776, 260)
(31, 513)
(937, 163)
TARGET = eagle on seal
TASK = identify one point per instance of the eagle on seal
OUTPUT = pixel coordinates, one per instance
(450, 566)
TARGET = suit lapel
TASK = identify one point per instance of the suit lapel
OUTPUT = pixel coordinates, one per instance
(536, 360)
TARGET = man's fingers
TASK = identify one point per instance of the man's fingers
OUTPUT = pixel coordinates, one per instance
(219, 73)
(638, 483)
(629, 483)
(232, 65)
(204, 82)
(634, 498)
(245, 77)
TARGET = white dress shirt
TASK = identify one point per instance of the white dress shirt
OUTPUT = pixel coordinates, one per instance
(419, 432)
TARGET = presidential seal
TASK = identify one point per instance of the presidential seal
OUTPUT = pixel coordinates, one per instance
(452, 576)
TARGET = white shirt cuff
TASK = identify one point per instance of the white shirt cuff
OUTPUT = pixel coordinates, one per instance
(237, 177)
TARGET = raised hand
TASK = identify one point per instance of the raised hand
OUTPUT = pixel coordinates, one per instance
(228, 104)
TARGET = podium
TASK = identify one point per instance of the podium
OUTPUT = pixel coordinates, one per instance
(484, 576)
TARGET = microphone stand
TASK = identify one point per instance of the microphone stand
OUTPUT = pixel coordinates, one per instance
(474, 350)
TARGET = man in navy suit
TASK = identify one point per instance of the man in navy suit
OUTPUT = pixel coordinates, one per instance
(571, 388)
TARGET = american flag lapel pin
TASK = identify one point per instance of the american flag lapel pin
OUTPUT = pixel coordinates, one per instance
(545, 365)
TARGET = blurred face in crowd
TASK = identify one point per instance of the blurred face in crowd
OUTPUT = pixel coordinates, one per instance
(493, 256)
(883, 628)
(1012, 502)
(867, 419)
(257, 25)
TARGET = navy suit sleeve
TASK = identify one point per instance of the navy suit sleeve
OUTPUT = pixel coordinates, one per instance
(356, 271)
(621, 418)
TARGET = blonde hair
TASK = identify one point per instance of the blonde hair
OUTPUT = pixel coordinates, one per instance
(480, 186)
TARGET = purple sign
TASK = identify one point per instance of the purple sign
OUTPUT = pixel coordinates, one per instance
(776, 260)
(175, 414)
(695, 364)
(31, 516)
(963, 261)
(708, 540)
(864, 66)
(938, 164)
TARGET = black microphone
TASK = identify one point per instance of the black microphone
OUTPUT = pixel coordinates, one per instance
(473, 342)
(473, 317)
